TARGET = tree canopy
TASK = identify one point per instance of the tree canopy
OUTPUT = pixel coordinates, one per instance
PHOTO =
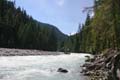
(20, 30)
(101, 31)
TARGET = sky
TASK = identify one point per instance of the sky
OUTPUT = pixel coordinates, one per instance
(66, 15)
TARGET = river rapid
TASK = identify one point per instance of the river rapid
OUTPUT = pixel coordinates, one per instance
(42, 67)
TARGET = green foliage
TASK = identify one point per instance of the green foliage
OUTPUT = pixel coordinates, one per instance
(102, 31)
(19, 30)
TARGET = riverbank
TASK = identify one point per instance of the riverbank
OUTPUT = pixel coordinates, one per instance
(25, 52)
(104, 66)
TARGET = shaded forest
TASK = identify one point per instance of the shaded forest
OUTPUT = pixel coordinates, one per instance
(20, 30)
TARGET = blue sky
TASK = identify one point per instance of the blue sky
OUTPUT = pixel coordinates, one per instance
(64, 14)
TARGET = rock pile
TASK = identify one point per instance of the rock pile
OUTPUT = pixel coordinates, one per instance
(104, 66)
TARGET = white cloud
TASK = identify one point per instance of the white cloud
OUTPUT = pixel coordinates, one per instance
(60, 2)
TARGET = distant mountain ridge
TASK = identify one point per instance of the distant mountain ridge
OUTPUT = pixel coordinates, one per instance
(60, 35)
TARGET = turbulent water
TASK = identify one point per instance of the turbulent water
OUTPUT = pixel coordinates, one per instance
(41, 67)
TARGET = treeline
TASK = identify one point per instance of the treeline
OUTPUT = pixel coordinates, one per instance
(19, 30)
(101, 31)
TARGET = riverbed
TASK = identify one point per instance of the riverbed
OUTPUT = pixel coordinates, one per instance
(42, 67)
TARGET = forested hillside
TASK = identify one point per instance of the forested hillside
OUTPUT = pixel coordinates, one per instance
(101, 31)
(20, 30)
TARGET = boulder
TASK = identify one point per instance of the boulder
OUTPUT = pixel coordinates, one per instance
(62, 70)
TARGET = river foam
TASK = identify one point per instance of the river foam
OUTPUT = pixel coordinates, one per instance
(41, 67)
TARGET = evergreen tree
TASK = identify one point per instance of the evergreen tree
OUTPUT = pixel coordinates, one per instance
(19, 30)
(102, 31)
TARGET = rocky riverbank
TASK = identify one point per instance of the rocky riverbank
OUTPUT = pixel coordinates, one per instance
(104, 66)
(25, 52)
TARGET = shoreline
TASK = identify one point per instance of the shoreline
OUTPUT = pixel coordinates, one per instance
(104, 66)
(26, 52)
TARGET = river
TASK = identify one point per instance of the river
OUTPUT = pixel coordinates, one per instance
(42, 67)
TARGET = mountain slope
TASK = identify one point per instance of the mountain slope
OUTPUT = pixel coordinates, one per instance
(60, 35)
(20, 30)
